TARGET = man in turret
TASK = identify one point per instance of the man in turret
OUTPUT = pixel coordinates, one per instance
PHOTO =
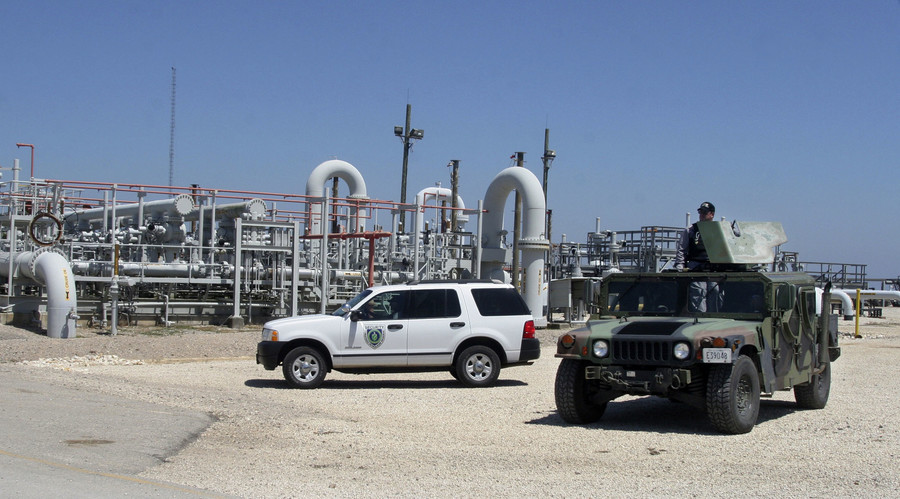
(691, 256)
(690, 252)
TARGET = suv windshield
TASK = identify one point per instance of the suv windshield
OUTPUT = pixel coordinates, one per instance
(352, 303)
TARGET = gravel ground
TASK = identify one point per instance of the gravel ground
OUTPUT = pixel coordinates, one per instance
(425, 435)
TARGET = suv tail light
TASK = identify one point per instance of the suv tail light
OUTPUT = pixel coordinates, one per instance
(528, 330)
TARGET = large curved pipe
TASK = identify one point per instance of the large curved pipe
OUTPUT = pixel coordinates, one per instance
(438, 194)
(846, 297)
(51, 270)
(864, 294)
(315, 186)
(533, 243)
(846, 302)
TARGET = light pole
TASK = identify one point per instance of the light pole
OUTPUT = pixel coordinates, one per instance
(547, 159)
(517, 226)
(407, 135)
(32, 155)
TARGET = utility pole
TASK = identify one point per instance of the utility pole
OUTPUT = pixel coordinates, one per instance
(517, 227)
(407, 135)
(172, 134)
(454, 191)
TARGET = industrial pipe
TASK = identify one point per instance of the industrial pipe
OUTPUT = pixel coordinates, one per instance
(533, 243)
(439, 194)
(315, 185)
(51, 270)
(180, 205)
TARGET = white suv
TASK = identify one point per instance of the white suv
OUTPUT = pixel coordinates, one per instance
(471, 328)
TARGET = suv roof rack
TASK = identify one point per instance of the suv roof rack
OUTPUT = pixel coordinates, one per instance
(454, 281)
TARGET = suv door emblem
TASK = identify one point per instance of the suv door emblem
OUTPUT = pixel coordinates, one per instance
(375, 336)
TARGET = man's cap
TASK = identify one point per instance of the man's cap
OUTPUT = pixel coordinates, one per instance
(707, 206)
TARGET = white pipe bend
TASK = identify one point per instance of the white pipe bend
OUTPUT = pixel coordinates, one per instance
(315, 186)
(52, 270)
(438, 194)
(533, 242)
(521, 180)
(336, 168)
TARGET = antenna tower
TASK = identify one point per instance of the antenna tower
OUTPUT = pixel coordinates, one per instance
(172, 133)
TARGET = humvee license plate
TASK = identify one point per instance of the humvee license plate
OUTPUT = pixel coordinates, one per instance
(717, 355)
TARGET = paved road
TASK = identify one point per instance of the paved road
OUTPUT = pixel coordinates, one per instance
(61, 443)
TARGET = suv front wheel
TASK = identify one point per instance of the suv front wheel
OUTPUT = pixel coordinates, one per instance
(304, 367)
(477, 366)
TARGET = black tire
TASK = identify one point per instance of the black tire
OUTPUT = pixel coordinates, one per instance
(304, 367)
(477, 366)
(573, 394)
(732, 396)
(814, 395)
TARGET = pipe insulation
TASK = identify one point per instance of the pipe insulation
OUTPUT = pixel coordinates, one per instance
(51, 270)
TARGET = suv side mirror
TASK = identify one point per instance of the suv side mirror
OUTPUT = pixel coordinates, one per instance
(785, 297)
(355, 315)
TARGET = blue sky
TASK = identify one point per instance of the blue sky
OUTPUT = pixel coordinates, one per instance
(785, 111)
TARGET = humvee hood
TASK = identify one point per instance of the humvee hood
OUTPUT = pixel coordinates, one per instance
(684, 326)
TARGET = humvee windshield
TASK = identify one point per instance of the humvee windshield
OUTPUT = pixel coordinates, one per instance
(684, 296)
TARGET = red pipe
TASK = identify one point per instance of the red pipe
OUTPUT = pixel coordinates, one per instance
(371, 236)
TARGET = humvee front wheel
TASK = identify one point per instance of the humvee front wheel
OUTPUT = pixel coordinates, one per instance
(814, 395)
(732, 396)
(573, 394)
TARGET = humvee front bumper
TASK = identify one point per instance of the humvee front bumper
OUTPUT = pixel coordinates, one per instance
(640, 381)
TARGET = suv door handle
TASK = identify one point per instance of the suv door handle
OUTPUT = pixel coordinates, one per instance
(457, 324)
(394, 327)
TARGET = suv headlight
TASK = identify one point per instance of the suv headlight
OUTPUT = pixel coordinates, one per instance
(681, 351)
(601, 348)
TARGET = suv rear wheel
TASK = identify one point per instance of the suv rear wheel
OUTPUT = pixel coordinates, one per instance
(477, 366)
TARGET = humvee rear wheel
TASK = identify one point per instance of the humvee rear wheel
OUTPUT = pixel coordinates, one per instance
(732, 396)
(814, 395)
(573, 394)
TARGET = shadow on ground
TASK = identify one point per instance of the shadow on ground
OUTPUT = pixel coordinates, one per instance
(664, 416)
(280, 384)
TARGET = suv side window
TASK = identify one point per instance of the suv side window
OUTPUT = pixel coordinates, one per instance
(433, 303)
(493, 302)
(385, 306)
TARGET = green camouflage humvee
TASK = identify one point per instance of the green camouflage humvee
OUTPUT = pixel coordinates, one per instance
(716, 340)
